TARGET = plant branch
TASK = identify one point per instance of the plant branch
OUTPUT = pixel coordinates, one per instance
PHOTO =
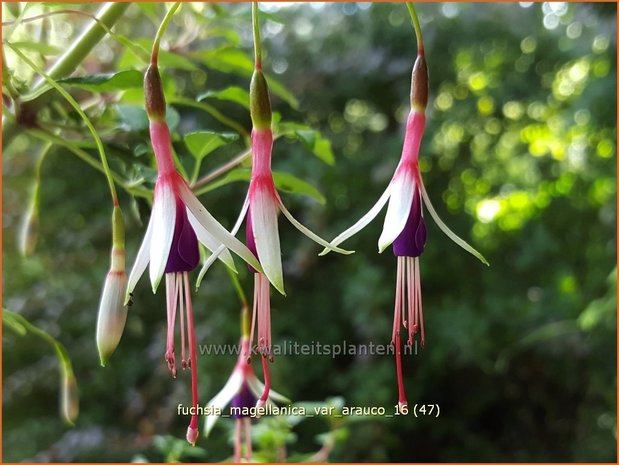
(416, 27)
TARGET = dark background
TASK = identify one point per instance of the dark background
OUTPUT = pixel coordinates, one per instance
(518, 157)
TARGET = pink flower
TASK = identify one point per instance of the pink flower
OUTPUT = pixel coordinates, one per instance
(170, 246)
(240, 391)
(404, 226)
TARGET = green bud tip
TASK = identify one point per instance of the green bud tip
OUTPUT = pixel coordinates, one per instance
(259, 101)
(153, 93)
(419, 83)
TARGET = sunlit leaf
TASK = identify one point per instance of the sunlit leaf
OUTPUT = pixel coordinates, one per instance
(201, 143)
(107, 82)
(231, 94)
(134, 118)
(41, 47)
(310, 138)
(285, 182)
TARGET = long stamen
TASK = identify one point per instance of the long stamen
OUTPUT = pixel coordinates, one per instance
(267, 383)
(248, 448)
(398, 364)
(398, 301)
(192, 430)
(412, 301)
(182, 317)
(237, 440)
(419, 304)
(254, 315)
(171, 291)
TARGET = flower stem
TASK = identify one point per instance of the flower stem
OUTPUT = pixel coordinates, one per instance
(78, 109)
(162, 28)
(256, 28)
(73, 57)
(416, 27)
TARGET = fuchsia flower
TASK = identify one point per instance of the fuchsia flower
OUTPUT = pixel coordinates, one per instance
(404, 224)
(261, 207)
(241, 391)
(178, 221)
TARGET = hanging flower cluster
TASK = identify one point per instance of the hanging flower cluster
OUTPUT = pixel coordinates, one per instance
(179, 222)
(404, 227)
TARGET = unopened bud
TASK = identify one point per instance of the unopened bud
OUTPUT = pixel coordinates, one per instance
(69, 400)
(192, 435)
(419, 84)
(259, 101)
(153, 93)
(112, 310)
(29, 232)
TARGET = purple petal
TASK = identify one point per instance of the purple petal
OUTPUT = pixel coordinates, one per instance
(184, 254)
(412, 239)
(244, 399)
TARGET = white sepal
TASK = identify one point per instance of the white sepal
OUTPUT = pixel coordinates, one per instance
(264, 209)
(363, 221)
(164, 222)
(400, 202)
(223, 398)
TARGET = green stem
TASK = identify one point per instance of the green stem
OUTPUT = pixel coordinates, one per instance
(87, 158)
(257, 43)
(78, 109)
(7, 81)
(240, 158)
(237, 286)
(213, 112)
(162, 28)
(416, 27)
(81, 47)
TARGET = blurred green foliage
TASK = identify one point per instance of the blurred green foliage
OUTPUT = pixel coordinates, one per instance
(519, 156)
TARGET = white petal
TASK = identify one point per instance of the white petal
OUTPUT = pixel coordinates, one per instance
(398, 209)
(164, 221)
(141, 260)
(313, 236)
(210, 242)
(264, 209)
(257, 387)
(363, 222)
(216, 229)
(222, 399)
(461, 242)
(210, 260)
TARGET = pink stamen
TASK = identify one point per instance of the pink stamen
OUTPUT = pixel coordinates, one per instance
(248, 448)
(398, 301)
(171, 290)
(182, 317)
(418, 301)
(193, 425)
(267, 382)
(237, 440)
(398, 364)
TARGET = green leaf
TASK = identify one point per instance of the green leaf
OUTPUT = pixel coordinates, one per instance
(10, 319)
(289, 183)
(228, 60)
(107, 82)
(134, 118)
(282, 92)
(201, 143)
(232, 94)
(311, 138)
(40, 47)
(284, 182)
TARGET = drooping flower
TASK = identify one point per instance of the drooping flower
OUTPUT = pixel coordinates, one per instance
(178, 221)
(112, 308)
(404, 224)
(262, 206)
(240, 391)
